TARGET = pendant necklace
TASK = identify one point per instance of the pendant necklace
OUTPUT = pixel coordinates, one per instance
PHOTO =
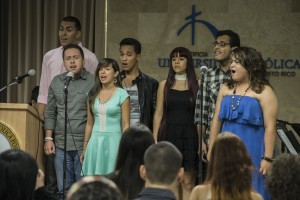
(104, 102)
(239, 99)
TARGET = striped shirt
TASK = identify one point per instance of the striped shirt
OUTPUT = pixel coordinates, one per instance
(213, 80)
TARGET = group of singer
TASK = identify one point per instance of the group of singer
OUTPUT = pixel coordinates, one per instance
(103, 100)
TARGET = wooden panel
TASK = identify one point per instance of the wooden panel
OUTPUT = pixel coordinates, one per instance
(25, 122)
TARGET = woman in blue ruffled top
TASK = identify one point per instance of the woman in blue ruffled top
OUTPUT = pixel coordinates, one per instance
(247, 106)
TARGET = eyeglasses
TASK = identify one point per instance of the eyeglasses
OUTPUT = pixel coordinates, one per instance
(221, 43)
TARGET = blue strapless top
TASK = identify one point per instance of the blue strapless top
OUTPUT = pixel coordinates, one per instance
(248, 112)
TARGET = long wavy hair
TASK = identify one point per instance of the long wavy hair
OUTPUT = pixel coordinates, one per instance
(229, 169)
(134, 142)
(191, 81)
(105, 62)
(255, 65)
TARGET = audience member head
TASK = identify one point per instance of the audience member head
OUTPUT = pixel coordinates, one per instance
(94, 188)
(252, 61)
(284, 180)
(162, 164)
(18, 175)
(69, 31)
(134, 142)
(229, 162)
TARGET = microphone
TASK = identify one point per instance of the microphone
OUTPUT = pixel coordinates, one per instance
(203, 69)
(70, 76)
(20, 78)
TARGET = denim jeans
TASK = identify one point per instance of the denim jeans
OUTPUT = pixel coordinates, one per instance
(72, 172)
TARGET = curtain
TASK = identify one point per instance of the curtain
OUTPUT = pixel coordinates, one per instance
(29, 28)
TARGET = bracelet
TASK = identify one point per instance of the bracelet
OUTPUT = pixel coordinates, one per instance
(268, 159)
(86, 141)
(48, 139)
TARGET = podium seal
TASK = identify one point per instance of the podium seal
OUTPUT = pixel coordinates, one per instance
(8, 139)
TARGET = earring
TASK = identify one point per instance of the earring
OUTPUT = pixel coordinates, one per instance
(115, 80)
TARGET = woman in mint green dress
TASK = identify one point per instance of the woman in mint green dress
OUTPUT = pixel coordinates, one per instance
(108, 117)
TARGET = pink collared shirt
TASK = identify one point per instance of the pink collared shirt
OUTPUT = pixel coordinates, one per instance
(53, 65)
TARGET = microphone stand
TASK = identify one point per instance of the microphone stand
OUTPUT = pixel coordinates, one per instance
(65, 143)
(13, 82)
(3, 88)
(18, 79)
(201, 129)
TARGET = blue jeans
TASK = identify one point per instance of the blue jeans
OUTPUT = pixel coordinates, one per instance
(72, 172)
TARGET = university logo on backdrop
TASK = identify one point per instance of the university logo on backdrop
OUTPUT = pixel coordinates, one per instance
(283, 67)
(193, 20)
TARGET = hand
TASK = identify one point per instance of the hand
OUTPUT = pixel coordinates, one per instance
(40, 179)
(49, 147)
(204, 152)
(81, 158)
(264, 167)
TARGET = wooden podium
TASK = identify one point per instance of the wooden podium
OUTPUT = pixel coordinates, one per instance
(22, 127)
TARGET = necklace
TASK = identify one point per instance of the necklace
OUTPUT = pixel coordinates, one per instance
(239, 99)
(110, 94)
(180, 77)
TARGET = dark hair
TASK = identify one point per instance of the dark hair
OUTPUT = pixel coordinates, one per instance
(18, 173)
(255, 65)
(191, 81)
(229, 169)
(73, 19)
(284, 180)
(133, 42)
(73, 46)
(134, 142)
(35, 93)
(94, 187)
(105, 62)
(234, 37)
(162, 162)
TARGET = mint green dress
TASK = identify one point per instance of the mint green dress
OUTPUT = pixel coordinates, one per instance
(102, 149)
